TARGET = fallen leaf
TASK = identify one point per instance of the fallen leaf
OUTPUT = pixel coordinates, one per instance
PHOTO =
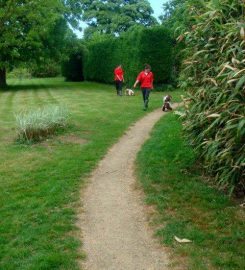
(182, 240)
(182, 114)
(242, 33)
(213, 115)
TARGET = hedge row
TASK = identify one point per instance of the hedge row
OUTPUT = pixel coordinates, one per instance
(214, 75)
(132, 49)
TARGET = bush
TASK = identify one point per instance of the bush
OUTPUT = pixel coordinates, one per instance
(19, 73)
(38, 124)
(45, 69)
(214, 76)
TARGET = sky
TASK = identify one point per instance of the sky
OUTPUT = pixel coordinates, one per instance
(155, 4)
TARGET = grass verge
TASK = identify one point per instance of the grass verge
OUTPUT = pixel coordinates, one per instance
(186, 206)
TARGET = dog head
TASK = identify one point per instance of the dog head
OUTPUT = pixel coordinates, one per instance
(167, 98)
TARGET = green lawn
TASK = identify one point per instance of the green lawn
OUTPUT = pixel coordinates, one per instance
(186, 206)
(40, 183)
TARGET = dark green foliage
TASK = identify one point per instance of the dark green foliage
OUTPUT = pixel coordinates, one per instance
(72, 70)
(214, 75)
(73, 65)
(47, 69)
(132, 49)
(30, 30)
(156, 49)
(177, 15)
(101, 59)
(178, 20)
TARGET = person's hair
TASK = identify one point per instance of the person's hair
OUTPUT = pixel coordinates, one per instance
(147, 66)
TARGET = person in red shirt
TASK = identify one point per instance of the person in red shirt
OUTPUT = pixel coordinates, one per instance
(145, 78)
(119, 79)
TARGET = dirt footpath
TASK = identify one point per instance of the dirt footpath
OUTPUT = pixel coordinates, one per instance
(116, 235)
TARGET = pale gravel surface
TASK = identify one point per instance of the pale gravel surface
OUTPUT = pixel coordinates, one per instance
(116, 234)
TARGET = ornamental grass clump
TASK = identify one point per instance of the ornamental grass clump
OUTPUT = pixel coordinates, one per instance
(37, 125)
(214, 76)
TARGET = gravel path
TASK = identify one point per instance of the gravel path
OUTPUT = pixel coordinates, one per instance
(116, 235)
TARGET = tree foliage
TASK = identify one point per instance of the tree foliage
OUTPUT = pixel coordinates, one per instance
(214, 76)
(176, 16)
(117, 16)
(27, 28)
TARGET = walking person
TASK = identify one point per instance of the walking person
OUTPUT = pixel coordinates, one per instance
(145, 78)
(119, 79)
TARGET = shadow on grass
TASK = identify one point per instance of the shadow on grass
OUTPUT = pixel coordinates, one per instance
(26, 87)
(32, 84)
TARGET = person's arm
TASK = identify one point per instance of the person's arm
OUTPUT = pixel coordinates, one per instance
(152, 87)
(136, 82)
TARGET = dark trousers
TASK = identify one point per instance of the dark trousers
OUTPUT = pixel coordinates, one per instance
(146, 94)
(119, 87)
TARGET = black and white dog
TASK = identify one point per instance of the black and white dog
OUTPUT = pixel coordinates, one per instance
(166, 103)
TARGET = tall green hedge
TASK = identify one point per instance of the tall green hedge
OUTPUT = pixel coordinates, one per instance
(132, 49)
(214, 76)
(99, 60)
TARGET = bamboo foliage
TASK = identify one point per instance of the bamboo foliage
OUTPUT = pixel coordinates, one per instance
(214, 76)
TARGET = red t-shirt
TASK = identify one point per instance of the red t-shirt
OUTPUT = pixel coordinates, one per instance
(145, 79)
(118, 74)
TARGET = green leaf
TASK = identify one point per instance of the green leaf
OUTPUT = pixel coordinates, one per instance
(240, 83)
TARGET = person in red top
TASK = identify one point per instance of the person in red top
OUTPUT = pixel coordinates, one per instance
(119, 79)
(145, 78)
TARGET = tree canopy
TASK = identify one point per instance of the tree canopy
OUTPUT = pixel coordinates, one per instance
(177, 16)
(116, 16)
(26, 28)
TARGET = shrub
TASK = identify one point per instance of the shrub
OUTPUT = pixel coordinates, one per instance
(38, 124)
(19, 73)
(45, 69)
(214, 76)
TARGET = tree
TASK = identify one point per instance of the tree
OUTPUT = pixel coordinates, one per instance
(116, 16)
(25, 28)
(177, 15)
(178, 18)
(56, 49)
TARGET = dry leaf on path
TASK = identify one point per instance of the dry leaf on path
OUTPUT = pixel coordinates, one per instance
(182, 240)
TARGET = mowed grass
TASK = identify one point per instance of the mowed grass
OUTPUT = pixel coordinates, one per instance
(40, 183)
(188, 207)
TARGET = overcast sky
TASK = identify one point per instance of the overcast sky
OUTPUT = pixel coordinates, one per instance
(155, 4)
